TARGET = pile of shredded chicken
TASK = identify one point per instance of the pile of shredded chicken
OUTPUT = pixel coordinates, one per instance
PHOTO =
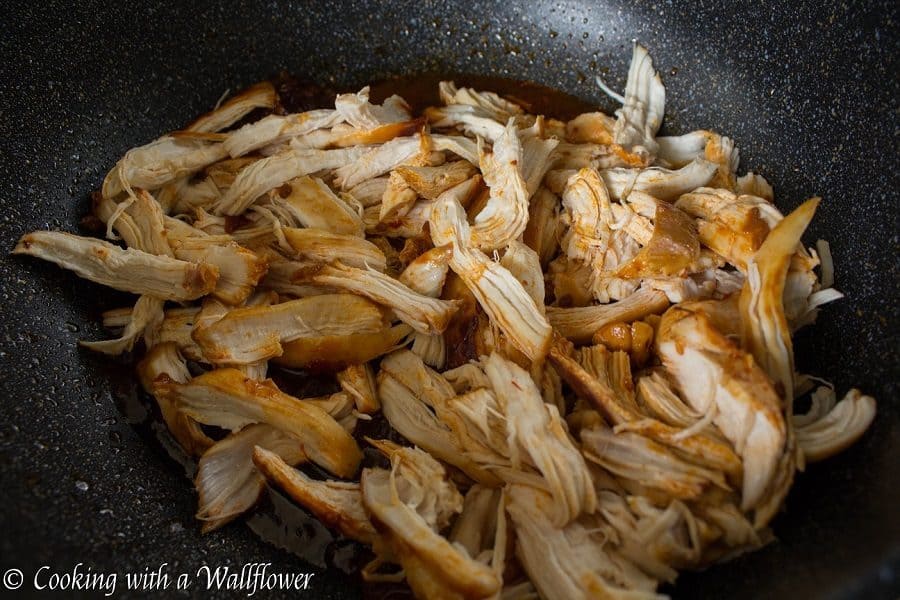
(582, 331)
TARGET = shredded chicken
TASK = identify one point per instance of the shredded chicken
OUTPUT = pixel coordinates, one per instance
(504, 217)
(832, 427)
(422, 313)
(499, 293)
(573, 562)
(128, 270)
(246, 335)
(641, 114)
(227, 482)
(405, 504)
(165, 361)
(335, 503)
(716, 376)
(317, 245)
(580, 330)
(227, 399)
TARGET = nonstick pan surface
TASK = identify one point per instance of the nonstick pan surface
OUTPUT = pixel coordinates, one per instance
(808, 90)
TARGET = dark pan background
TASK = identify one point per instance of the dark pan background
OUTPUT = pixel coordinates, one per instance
(808, 90)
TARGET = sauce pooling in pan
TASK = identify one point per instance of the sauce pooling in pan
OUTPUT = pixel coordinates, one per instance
(421, 91)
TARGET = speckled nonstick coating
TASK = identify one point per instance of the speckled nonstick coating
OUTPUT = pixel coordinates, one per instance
(808, 90)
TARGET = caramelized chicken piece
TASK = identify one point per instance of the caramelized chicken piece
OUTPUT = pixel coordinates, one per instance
(331, 353)
(141, 223)
(261, 95)
(719, 150)
(316, 206)
(382, 159)
(595, 128)
(240, 270)
(163, 160)
(338, 504)
(319, 245)
(716, 376)
(359, 382)
(571, 282)
(163, 359)
(672, 249)
(273, 171)
(754, 184)
(664, 184)
(139, 220)
(524, 264)
(605, 384)
(535, 430)
(428, 272)
(478, 519)
(537, 155)
(732, 226)
(499, 109)
(275, 129)
(543, 222)
(410, 415)
(474, 121)
(431, 182)
(579, 324)
(408, 506)
(226, 398)
(632, 456)
(587, 206)
(831, 427)
(397, 200)
(764, 324)
(246, 335)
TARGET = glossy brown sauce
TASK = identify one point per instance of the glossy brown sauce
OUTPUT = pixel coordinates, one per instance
(277, 520)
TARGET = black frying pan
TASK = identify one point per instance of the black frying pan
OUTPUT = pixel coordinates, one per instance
(807, 89)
